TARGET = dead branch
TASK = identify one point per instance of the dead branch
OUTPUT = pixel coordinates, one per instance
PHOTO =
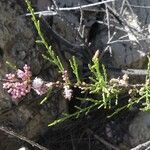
(143, 146)
(51, 12)
(102, 140)
(16, 135)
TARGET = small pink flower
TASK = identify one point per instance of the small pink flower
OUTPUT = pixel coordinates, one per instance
(20, 73)
(26, 74)
(39, 86)
(65, 76)
(10, 76)
(37, 83)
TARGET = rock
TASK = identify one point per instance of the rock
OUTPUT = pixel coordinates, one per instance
(130, 54)
(17, 45)
(43, 5)
(139, 129)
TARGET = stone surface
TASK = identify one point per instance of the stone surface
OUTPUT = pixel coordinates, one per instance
(17, 45)
(131, 54)
(139, 129)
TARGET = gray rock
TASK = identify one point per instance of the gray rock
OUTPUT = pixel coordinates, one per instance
(17, 43)
(139, 129)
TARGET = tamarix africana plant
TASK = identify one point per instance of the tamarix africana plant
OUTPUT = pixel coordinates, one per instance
(105, 92)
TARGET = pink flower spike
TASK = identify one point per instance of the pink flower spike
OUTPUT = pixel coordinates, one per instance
(19, 84)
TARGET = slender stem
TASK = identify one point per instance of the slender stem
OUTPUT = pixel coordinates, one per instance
(16, 135)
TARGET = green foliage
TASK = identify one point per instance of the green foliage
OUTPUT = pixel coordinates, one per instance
(78, 113)
(75, 69)
(145, 90)
(12, 66)
(104, 93)
(142, 94)
(98, 86)
(51, 56)
(98, 80)
(47, 96)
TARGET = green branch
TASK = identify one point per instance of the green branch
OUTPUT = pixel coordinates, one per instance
(51, 56)
(75, 69)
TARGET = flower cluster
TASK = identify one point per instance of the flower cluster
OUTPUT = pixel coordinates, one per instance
(40, 87)
(65, 77)
(18, 85)
(67, 92)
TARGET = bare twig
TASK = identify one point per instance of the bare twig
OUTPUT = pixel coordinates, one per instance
(122, 41)
(85, 6)
(140, 6)
(143, 146)
(122, 37)
(16, 135)
(111, 25)
(44, 13)
(55, 4)
(107, 47)
(80, 28)
(102, 140)
(129, 5)
(124, 22)
(122, 6)
(47, 12)
(108, 23)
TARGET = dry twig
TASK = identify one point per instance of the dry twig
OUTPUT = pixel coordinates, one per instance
(16, 135)
(102, 140)
(143, 146)
(51, 12)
